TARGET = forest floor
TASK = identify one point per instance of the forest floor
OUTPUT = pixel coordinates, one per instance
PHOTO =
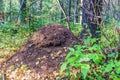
(40, 57)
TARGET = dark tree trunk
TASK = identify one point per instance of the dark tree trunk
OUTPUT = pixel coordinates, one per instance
(91, 12)
(118, 2)
(61, 13)
(10, 10)
(23, 10)
(76, 11)
(69, 9)
(40, 4)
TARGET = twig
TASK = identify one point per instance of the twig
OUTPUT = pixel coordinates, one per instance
(68, 24)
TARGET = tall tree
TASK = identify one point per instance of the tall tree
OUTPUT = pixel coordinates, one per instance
(10, 10)
(76, 10)
(41, 4)
(61, 13)
(91, 12)
(23, 10)
(69, 9)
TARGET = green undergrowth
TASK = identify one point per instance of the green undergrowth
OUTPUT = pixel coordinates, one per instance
(12, 37)
(90, 62)
(76, 29)
(109, 36)
(95, 60)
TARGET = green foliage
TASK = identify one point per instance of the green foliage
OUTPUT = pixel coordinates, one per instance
(75, 28)
(82, 56)
(109, 37)
(91, 63)
(112, 69)
(12, 37)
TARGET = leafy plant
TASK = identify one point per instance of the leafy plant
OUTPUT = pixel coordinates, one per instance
(89, 62)
(81, 57)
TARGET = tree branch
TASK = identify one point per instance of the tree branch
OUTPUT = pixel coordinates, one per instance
(66, 17)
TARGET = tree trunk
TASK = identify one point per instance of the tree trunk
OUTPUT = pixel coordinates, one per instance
(40, 5)
(69, 9)
(10, 10)
(76, 10)
(23, 10)
(61, 13)
(91, 12)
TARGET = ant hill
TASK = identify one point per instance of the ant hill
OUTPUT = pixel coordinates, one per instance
(44, 51)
